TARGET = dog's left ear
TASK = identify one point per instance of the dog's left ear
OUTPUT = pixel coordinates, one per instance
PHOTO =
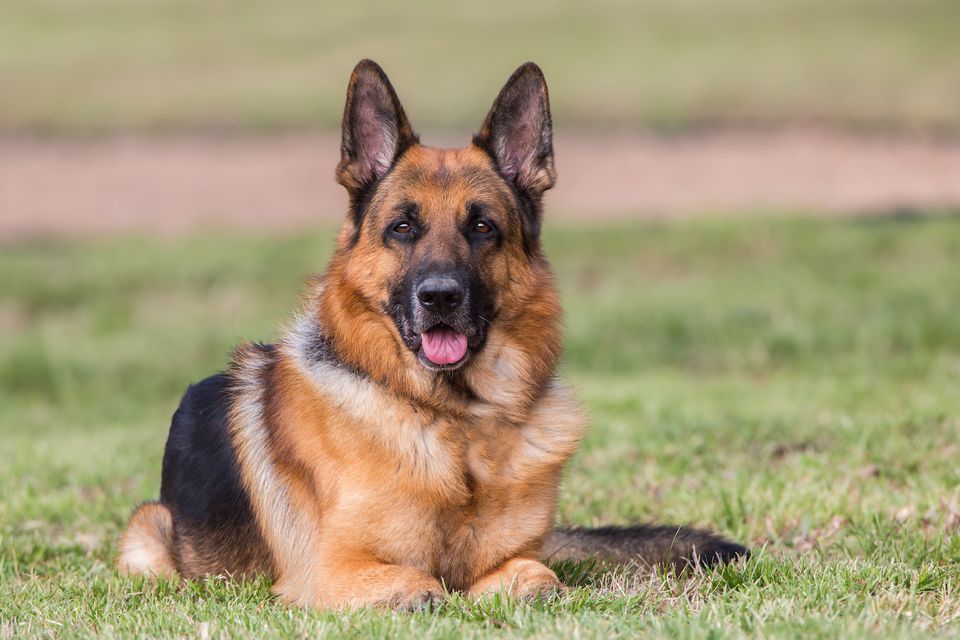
(518, 133)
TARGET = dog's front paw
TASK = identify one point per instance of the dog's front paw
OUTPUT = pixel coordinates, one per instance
(520, 578)
(379, 586)
(417, 596)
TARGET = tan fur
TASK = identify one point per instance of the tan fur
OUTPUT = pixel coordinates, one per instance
(373, 479)
(145, 546)
(377, 489)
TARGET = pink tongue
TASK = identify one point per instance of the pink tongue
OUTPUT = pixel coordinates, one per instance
(443, 345)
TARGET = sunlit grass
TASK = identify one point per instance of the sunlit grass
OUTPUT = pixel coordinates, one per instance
(792, 383)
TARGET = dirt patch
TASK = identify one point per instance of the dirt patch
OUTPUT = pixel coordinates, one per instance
(51, 187)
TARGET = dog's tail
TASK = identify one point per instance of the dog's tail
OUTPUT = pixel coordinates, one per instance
(644, 544)
(146, 545)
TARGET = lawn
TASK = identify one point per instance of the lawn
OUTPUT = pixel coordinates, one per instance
(83, 66)
(794, 383)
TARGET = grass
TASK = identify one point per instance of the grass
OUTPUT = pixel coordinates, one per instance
(81, 66)
(793, 383)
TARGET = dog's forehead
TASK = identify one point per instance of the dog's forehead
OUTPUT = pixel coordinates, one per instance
(428, 173)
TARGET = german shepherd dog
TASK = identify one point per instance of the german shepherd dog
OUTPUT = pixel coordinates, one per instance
(406, 434)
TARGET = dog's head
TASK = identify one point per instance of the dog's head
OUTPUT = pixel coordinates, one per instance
(441, 241)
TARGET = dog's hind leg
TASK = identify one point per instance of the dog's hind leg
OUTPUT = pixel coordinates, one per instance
(146, 546)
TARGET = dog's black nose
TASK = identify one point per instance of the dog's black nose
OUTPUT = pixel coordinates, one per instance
(440, 294)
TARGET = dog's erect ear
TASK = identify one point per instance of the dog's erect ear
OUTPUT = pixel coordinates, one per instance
(518, 133)
(375, 129)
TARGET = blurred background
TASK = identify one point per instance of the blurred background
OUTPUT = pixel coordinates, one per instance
(177, 114)
(755, 232)
(91, 66)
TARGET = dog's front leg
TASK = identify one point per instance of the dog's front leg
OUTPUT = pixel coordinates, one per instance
(520, 578)
(363, 581)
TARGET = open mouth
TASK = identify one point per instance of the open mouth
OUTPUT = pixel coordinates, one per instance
(443, 346)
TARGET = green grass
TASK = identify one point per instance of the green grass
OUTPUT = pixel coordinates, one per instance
(792, 383)
(91, 65)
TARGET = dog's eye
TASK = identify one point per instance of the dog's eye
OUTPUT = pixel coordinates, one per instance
(402, 227)
(482, 227)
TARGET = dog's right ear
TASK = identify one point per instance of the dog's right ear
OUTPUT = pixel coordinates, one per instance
(375, 131)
